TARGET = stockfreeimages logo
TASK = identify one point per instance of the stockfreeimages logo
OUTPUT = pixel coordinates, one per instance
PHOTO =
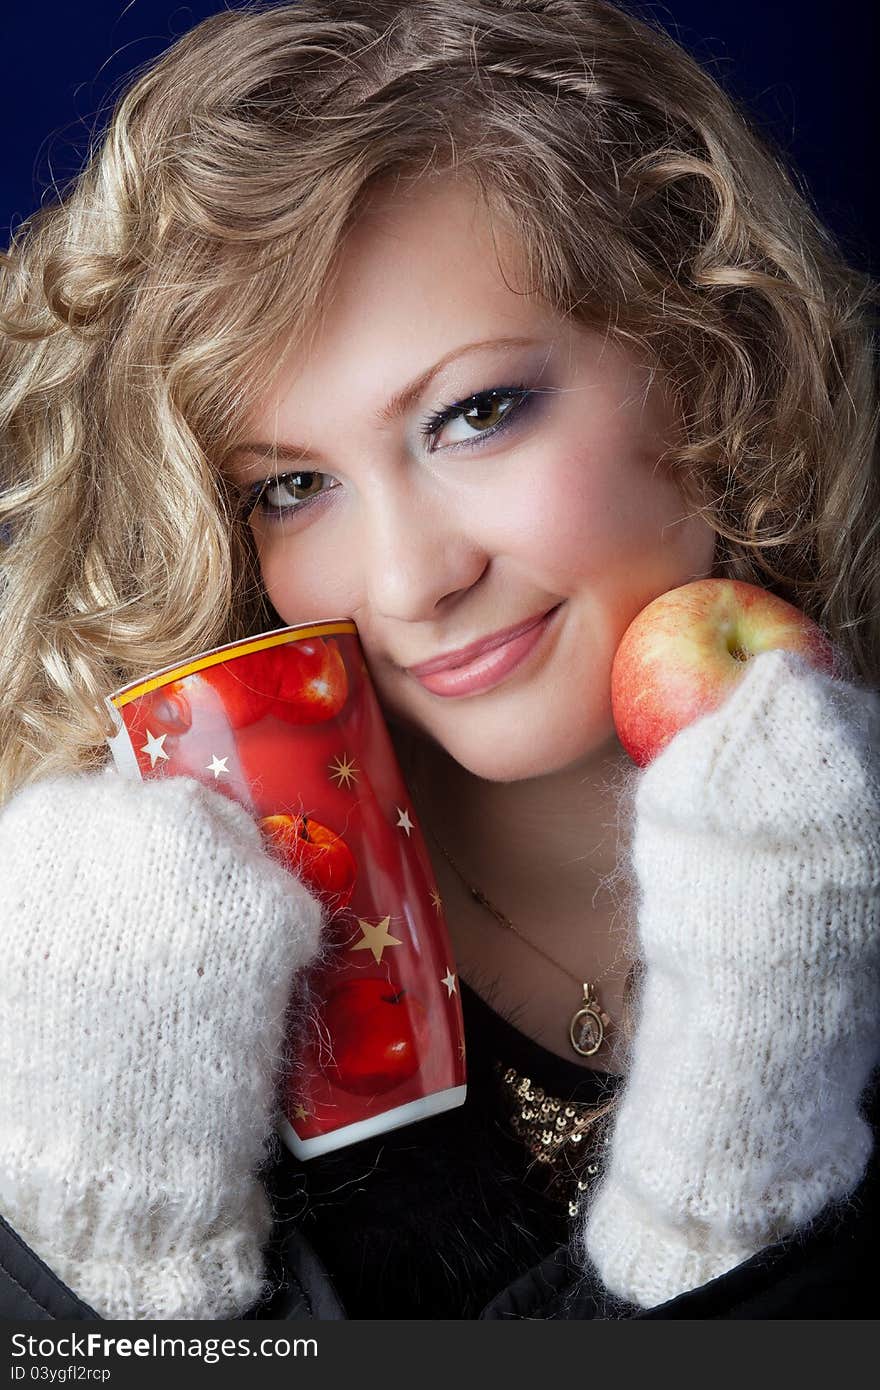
(96, 1344)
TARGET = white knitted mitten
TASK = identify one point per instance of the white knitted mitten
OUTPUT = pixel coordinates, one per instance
(756, 851)
(149, 950)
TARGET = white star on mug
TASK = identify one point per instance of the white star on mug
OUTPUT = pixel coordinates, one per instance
(153, 748)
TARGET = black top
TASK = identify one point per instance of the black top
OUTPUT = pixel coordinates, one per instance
(432, 1219)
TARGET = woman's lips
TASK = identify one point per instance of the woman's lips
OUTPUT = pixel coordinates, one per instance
(489, 668)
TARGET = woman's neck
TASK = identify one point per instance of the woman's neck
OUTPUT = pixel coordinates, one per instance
(543, 849)
(547, 853)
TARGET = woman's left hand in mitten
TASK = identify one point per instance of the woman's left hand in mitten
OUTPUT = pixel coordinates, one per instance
(756, 851)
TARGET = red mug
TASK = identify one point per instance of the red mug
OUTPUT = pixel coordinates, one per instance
(288, 725)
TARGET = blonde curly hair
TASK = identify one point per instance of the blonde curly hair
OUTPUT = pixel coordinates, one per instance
(136, 314)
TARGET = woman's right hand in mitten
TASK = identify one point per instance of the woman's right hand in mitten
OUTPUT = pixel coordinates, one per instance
(150, 948)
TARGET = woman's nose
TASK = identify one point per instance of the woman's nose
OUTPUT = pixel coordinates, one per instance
(418, 551)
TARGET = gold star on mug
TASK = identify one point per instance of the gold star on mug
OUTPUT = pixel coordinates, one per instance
(343, 771)
(436, 899)
(376, 937)
(300, 1113)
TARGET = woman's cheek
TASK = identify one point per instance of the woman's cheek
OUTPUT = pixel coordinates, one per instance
(304, 579)
(565, 517)
(614, 532)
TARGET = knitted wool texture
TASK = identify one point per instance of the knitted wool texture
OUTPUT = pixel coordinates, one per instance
(756, 851)
(150, 947)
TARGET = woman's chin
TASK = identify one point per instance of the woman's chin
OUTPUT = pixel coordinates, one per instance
(518, 758)
(516, 749)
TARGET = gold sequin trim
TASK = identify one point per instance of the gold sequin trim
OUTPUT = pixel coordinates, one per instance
(564, 1137)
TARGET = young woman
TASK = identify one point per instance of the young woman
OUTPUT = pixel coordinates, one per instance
(465, 321)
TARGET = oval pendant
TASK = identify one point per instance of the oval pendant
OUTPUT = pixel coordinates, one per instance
(586, 1031)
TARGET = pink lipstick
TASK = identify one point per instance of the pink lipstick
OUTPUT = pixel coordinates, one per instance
(483, 665)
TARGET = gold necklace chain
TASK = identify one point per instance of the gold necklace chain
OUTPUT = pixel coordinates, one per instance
(589, 1023)
(552, 1129)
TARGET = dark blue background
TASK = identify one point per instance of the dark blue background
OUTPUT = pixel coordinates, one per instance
(806, 70)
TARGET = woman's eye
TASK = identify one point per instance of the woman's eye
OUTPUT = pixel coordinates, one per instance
(480, 415)
(287, 493)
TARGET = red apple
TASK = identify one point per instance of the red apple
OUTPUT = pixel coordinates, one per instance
(378, 1035)
(299, 682)
(317, 855)
(685, 652)
(242, 688)
(311, 682)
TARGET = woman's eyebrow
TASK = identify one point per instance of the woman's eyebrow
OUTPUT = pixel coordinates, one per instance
(394, 408)
(401, 401)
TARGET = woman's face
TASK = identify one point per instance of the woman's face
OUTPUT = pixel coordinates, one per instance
(436, 515)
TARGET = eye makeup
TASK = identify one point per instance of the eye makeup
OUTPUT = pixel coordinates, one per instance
(480, 401)
(258, 497)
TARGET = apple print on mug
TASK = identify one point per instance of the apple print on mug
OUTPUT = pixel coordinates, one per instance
(288, 725)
